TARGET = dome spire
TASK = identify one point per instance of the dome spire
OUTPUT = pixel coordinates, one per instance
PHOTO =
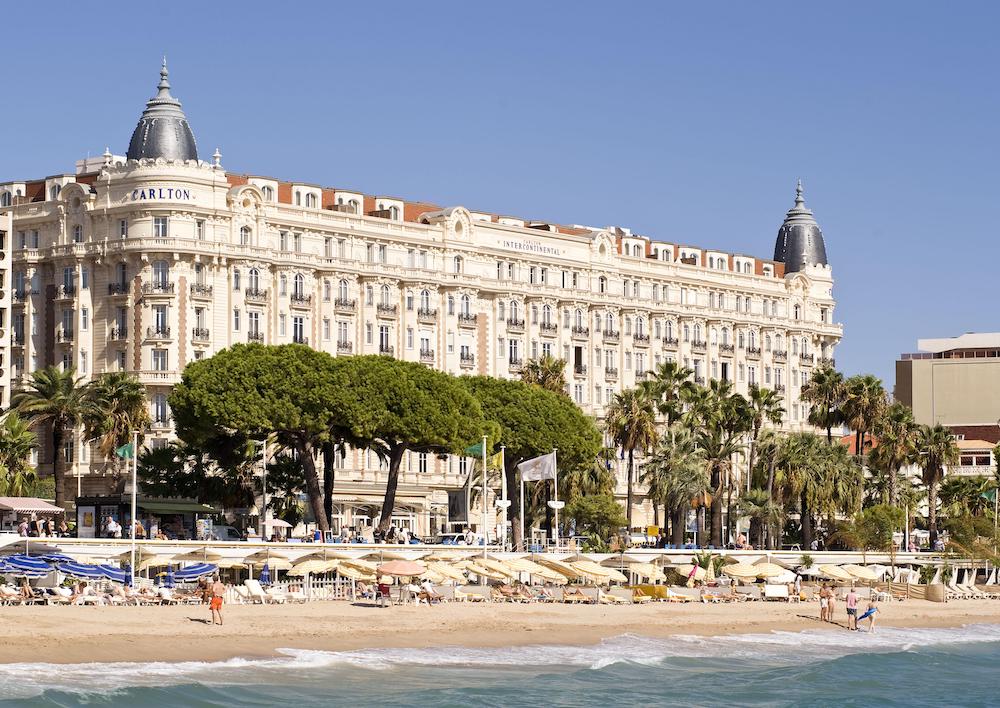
(799, 200)
(800, 240)
(163, 130)
(163, 88)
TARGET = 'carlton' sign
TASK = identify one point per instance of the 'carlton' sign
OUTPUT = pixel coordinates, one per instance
(175, 193)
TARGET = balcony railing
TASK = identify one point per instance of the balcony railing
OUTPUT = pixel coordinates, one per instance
(344, 347)
(118, 333)
(699, 344)
(806, 359)
(780, 355)
(255, 294)
(754, 352)
(161, 421)
(971, 470)
(427, 314)
(466, 361)
(515, 325)
(157, 288)
(200, 334)
(158, 333)
(300, 339)
(201, 290)
(580, 369)
(640, 339)
(427, 356)
(344, 305)
(18, 340)
(579, 331)
(700, 380)
(385, 310)
(727, 348)
(610, 372)
(386, 349)
(780, 388)
(116, 289)
(827, 361)
(300, 299)
(515, 365)
(549, 328)
(611, 335)
(64, 335)
(670, 342)
(466, 320)
(65, 291)
(255, 336)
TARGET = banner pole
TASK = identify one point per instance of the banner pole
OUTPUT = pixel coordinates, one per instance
(524, 541)
(486, 533)
(503, 495)
(555, 494)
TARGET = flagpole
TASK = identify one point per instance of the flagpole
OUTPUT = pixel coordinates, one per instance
(503, 493)
(524, 542)
(486, 533)
(555, 493)
(135, 474)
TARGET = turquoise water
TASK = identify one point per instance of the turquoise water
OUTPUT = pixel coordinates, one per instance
(895, 667)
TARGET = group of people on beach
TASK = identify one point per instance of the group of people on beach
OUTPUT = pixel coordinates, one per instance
(828, 601)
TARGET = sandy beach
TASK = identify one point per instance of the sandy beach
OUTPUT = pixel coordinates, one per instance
(181, 633)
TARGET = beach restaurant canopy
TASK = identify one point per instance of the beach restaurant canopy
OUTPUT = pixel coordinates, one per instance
(176, 517)
(12, 509)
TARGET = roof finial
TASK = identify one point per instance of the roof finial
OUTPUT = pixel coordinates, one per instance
(164, 85)
(107, 156)
(217, 158)
(799, 200)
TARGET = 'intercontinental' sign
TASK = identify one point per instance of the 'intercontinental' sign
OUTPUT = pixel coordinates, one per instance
(175, 193)
(532, 247)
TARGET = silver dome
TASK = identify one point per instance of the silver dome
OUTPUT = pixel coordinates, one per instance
(800, 240)
(163, 130)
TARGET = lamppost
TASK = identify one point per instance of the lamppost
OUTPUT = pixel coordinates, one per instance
(263, 510)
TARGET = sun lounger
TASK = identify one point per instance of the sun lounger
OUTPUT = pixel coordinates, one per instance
(640, 597)
(573, 596)
(626, 596)
(242, 595)
(612, 598)
(257, 593)
(776, 592)
(674, 596)
(972, 591)
(472, 593)
(752, 592)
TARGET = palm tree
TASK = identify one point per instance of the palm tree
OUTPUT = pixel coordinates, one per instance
(668, 385)
(763, 406)
(797, 457)
(16, 443)
(966, 496)
(825, 392)
(864, 404)
(896, 432)
(547, 372)
(631, 421)
(673, 458)
(936, 449)
(117, 406)
(56, 397)
(764, 513)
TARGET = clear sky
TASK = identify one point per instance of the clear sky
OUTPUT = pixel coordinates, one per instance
(686, 122)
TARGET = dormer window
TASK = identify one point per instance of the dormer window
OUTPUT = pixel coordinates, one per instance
(637, 250)
(298, 198)
(5, 199)
(311, 200)
(54, 191)
(268, 193)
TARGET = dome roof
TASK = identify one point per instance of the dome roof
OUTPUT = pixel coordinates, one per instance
(163, 130)
(800, 240)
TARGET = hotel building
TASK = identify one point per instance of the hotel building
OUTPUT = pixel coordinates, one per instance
(155, 259)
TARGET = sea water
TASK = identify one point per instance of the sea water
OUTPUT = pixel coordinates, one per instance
(894, 667)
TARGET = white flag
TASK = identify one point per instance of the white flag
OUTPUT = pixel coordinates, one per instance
(538, 468)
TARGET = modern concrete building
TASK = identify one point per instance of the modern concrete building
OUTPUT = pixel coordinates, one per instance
(147, 261)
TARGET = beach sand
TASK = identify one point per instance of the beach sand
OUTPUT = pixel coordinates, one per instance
(181, 633)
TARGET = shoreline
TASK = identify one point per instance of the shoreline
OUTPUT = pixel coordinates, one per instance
(76, 635)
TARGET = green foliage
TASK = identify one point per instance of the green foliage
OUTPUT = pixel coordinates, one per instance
(630, 419)
(180, 470)
(547, 372)
(41, 488)
(708, 559)
(116, 406)
(17, 477)
(927, 573)
(972, 536)
(872, 528)
(806, 561)
(600, 514)
(826, 393)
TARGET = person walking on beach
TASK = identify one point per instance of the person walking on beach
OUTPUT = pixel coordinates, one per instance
(852, 609)
(831, 604)
(824, 602)
(870, 615)
(218, 591)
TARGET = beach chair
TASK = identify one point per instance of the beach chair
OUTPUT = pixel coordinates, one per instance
(674, 596)
(612, 598)
(10, 596)
(625, 595)
(167, 597)
(276, 596)
(971, 591)
(573, 596)
(257, 593)
(776, 592)
(640, 597)
(471, 593)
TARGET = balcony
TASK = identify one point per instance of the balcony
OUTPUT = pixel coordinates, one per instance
(779, 387)
(161, 377)
(255, 295)
(300, 300)
(806, 359)
(466, 320)
(753, 352)
(548, 329)
(427, 315)
(466, 361)
(162, 333)
(300, 339)
(157, 288)
(386, 310)
(427, 356)
(580, 370)
(118, 334)
(700, 380)
(827, 361)
(515, 366)
(971, 470)
(161, 422)
(117, 289)
(515, 325)
(698, 345)
(580, 332)
(611, 336)
(345, 306)
(200, 334)
(255, 336)
(200, 290)
(640, 339)
(729, 349)
(780, 355)
(386, 349)
(670, 342)
(344, 347)
(65, 292)
(64, 336)
(610, 372)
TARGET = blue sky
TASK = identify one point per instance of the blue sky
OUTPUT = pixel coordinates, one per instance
(687, 122)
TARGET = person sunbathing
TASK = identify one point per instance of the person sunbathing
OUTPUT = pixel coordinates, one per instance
(428, 593)
(364, 591)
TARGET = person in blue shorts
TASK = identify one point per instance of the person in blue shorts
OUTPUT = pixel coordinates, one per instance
(869, 615)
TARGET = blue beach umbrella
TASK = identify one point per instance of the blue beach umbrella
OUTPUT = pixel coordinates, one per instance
(168, 579)
(265, 575)
(193, 572)
(30, 564)
(80, 570)
(57, 558)
(115, 574)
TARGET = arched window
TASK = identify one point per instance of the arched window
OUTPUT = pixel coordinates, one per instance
(725, 335)
(640, 326)
(805, 347)
(458, 264)
(311, 200)
(578, 318)
(546, 314)
(513, 310)
(670, 329)
(797, 312)
(697, 333)
(268, 193)
(466, 305)
(713, 335)
(343, 291)
(779, 343)
(394, 213)
(245, 233)
(161, 273)
(753, 339)
(282, 284)
(636, 250)
(656, 328)
(386, 295)
(602, 284)
(742, 340)
(369, 295)
(687, 333)
(355, 207)
(610, 323)
(253, 280)
(425, 300)
(298, 285)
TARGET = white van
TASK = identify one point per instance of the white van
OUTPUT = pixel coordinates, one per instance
(224, 533)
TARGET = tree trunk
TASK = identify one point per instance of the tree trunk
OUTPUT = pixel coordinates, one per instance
(628, 503)
(58, 474)
(807, 531)
(313, 490)
(891, 487)
(677, 525)
(329, 473)
(656, 513)
(932, 512)
(716, 507)
(753, 451)
(396, 453)
(514, 495)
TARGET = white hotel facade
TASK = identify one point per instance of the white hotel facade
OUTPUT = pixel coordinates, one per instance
(156, 259)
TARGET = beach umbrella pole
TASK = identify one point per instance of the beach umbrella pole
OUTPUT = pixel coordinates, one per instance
(135, 474)
(486, 533)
